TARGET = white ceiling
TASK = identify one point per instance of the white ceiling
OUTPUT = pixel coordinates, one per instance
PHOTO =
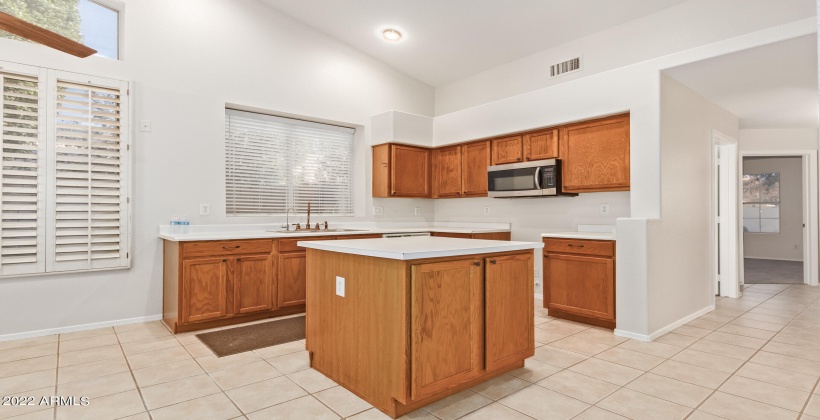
(773, 86)
(446, 40)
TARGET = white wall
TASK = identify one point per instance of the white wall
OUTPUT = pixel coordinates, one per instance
(787, 244)
(680, 260)
(687, 25)
(187, 59)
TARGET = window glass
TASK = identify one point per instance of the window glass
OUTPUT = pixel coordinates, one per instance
(761, 203)
(84, 21)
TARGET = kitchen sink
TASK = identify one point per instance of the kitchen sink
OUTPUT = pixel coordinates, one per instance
(303, 231)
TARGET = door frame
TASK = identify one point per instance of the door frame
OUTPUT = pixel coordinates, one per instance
(727, 247)
(811, 242)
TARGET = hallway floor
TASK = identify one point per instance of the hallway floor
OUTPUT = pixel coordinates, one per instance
(760, 271)
(757, 357)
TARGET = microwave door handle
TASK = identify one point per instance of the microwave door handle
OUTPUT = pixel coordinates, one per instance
(538, 178)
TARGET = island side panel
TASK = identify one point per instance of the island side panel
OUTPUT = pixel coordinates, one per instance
(359, 340)
(171, 275)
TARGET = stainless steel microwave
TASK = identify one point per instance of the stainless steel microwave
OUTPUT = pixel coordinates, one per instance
(538, 178)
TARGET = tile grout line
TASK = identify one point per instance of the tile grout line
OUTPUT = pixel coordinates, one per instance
(752, 356)
(133, 378)
(811, 395)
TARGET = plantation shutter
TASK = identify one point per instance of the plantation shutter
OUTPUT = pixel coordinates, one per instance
(89, 225)
(275, 163)
(22, 235)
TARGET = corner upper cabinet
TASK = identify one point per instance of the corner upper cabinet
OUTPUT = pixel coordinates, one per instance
(508, 150)
(595, 155)
(447, 172)
(401, 171)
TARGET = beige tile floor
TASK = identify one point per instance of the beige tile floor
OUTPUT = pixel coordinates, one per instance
(757, 357)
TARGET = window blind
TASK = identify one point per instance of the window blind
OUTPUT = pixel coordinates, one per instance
(274, 163)
(21, 234)
(89, 225)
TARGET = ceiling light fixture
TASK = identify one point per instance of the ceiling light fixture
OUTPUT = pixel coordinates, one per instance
(391, 35)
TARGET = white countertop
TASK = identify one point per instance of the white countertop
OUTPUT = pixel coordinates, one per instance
(227, 232)
(419, 247)
(602, 236)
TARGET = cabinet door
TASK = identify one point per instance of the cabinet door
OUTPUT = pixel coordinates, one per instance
(475, 158)
(291, 279)
(580, 285)
(204, 288)
(447, 172)
(595, 155)
(447, 340)
(410, 171)
(252, 283)
(509, 310)
(507, 150)
(541, 145)
(381, 170)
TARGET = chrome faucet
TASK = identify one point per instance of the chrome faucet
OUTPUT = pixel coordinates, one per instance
(287, 218)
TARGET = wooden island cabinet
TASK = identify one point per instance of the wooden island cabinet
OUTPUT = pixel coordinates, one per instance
(403, 333)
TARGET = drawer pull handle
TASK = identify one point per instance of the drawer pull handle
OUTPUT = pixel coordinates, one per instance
(492, 261)
(575, 246)
(477, 264)
(224, 260)
(231, 247)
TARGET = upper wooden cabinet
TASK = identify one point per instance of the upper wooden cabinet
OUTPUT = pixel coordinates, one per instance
(447, 172)
(475, 158)
(536, 145)
(595, 155)
(401, 171)
(508, 150)
(541, 144)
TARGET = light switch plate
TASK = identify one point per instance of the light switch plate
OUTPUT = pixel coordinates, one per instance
(204, 209)
(340, 286)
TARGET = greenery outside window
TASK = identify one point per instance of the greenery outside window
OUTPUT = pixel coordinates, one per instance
(94, 23)
(761, 203)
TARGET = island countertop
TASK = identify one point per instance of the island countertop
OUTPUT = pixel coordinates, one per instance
(413, 248)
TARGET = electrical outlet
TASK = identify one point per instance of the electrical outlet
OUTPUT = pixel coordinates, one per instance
(417, 211)
(145, 126)
(340, 286)
(486, 210)
(378, 211)
(204, 209)
(605, 209)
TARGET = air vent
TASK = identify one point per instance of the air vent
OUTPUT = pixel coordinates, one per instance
(569, 66)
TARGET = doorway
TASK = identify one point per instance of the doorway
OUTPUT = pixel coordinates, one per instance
(774, 217)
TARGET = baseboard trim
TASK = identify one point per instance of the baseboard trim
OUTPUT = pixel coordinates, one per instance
(657, 333)
(82, 327)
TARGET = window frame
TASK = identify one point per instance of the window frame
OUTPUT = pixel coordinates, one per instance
(759, 203)
(119, 7)
(299, 121)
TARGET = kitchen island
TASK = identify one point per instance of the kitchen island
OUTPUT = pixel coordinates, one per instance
(404, 322)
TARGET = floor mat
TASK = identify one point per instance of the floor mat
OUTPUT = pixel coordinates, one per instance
(256, 336)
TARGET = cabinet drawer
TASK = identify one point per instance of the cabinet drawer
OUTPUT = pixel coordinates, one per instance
(289, 245)
(207, 248)
(580, 246)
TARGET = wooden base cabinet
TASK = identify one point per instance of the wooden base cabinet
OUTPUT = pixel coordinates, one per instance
(408, 333)
(495, 236)
(579, 280)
